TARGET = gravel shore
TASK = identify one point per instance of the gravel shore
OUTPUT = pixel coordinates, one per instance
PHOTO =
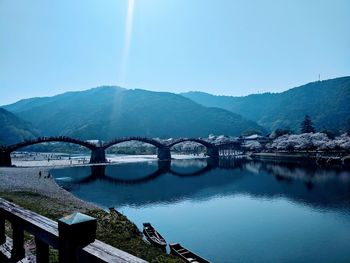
(27, 179)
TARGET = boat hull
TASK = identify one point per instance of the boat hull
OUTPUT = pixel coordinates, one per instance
(153, 236)
(185, 254)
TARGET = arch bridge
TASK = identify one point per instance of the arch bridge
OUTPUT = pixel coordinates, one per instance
(98, 152)
(5, 151)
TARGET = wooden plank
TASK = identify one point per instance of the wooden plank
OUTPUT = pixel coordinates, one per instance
(101, 252)
(39, 226)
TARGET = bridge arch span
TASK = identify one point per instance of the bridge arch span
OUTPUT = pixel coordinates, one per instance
(97, 154)
(15, 147)
(212, 150)
(133, 138)
(163, 151)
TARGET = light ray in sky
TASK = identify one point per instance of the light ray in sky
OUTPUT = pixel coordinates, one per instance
(127, 42)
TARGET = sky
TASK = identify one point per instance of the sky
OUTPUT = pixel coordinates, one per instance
(224, 47)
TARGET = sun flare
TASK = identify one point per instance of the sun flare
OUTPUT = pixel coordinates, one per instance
(127, 41)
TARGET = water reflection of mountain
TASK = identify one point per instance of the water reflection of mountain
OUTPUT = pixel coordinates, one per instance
(139, 184)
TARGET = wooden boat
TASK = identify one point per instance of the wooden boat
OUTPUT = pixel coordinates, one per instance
(185, 254)
(153, 236)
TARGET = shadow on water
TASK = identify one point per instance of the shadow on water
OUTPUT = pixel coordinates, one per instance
(139, 184)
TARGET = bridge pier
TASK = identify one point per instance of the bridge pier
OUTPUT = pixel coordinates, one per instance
(5, 159)
(213, 152)
(98, 155)
(164, 153)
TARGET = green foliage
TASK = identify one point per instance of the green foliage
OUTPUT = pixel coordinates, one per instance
(326, 101)
(14, 129)
(109, 112)
(48, 207)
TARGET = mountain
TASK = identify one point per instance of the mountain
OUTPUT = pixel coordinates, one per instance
(108, 112)
(327, 102)
(14, 129)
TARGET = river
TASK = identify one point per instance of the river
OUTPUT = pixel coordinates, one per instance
(231, 210)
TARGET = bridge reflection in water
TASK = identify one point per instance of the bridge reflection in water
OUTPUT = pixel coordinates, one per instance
(98, 172)
(141, 184)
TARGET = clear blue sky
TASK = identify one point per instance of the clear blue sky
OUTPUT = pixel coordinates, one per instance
(218, 46)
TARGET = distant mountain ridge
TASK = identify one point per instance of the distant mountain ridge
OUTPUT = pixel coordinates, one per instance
(108, 112)
(327, 102)
(14, 129)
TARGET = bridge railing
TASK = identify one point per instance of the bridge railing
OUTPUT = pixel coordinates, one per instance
(73, 237)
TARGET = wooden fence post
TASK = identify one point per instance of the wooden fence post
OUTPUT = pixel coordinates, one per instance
(75, 231)
(17, 252)
(42, 251)
(2, 231)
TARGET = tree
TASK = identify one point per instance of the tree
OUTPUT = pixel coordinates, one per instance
(307, 125)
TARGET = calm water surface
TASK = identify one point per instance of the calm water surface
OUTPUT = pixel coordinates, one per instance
(230, 210)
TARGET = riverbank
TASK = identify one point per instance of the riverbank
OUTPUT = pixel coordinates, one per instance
(40, 193)
(54, 160)
(302, 157)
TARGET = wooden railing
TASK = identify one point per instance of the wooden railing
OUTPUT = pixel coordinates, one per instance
(73, 236)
